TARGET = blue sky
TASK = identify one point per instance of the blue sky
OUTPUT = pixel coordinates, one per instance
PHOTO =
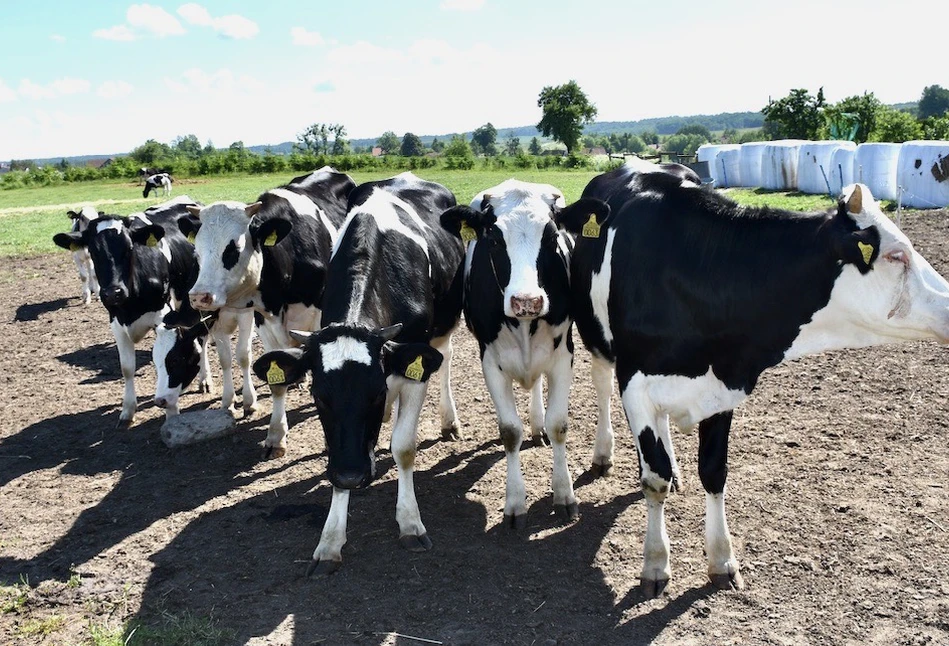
(104, 76)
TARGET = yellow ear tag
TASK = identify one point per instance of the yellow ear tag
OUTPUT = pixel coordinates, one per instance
(415, 371)
(467, 233)
(275, 375)
(271, 240)
(191, 237)
(152, 240)
(74, 247)
(591, 229)
(866, 250)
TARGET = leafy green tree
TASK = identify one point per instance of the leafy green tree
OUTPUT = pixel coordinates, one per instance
(535, 148)
(412, 146)
(513, 147)
(389, 142)
(187, 146)
(863, 107)
(485, 138)
(695, 129)
(149, 152)
(895, 125)
(63, 164)
(22, 164)
(566, 110)
(729, 136)
(340, 145)
(934, 102)
(437, 146)
(314, 140)
(757, 134)
(458, 147)
(936, 127)
(683, 144)
(796, 116)
(649, 137)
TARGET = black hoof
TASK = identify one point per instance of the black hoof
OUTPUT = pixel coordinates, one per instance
(416, 543)
(601, 470)
(249, 412)
(322, 568)
(677, 485)
(123, 424)
(541, 440)
(517, 522)
(206, 389)
(451, 434)
(567, 513)
(652, 589)
(274, 452)
(727, 581)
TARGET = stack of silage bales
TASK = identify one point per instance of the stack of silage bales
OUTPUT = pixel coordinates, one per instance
(814, 165)
(874, 164)
(708, 153)
(779, 165)
(750, 162)
(923, 174)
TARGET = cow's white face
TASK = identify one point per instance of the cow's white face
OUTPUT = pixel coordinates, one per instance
(229, 265)
(900, 298)
(523, 211)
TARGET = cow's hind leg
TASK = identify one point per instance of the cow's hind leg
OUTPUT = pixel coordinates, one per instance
(222, 342)
(412, 534)
(245, 330)
(723, 567)
(509, 424)
(446, 402)
(205, 378)
(538, 413)
(602, 375)
(329, 553)
(558, 380)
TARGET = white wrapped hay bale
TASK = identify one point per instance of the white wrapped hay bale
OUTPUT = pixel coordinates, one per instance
(779, 165)
(875, 165)
(923, 174)
(841, 169)
(708, 153)
(197, 426)
(814, 165)
(728, 163)
(750, 163)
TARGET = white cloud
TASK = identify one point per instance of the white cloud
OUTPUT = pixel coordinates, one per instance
(461, 5)
(58, 38)
(196, 80)
(230, 26)
(119, 32)
(114, 89)
(6, 93)
(306, 38)
(57, 88)
(34, 91)
(154, 20)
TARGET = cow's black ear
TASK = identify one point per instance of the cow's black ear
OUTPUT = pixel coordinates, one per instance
(860, 248)
(182, 319)
(149, 235)
(72, 215)
(584, 217)
(466, 223)
(269, 232)
(281, 367)
(189, 226)
(415, 361)
(71, 241)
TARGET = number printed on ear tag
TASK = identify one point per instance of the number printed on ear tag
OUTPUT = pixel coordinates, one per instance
(467, 233)
(415, 371)
(591, 229)
(276, 375)
(271, 240)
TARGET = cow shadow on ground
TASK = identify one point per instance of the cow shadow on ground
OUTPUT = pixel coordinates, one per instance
(244, 566)
(33, 311)
(103, 360)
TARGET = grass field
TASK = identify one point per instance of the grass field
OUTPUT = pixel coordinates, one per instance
(30, 216)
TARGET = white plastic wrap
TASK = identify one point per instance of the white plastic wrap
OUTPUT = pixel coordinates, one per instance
(923, 174)
(728, 165)
(814, 164)
(841, 169)
(750, 162)
(779, 165)
(707, 153)
(875, 165)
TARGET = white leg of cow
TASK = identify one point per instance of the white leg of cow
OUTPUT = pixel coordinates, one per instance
(558, 386)
(723, 569)
(601, 372)
(126, 347)
(446, 401)
(93, 281)
(272, 337)
(79, 257)
(412, 534)
(222, 341)
(329, 553)
(245, 331)
(205, 379)
(509, 424)
(537, 413)
(664, 434)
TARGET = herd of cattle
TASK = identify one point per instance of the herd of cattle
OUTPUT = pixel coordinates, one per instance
(685, 295)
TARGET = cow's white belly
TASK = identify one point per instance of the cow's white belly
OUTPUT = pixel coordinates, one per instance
(525, 357)
(687, 400)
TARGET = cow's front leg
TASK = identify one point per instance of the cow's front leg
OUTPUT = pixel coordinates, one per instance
(222, 341)
(205, 379)
(723, 568)
(328, 555)
(245, 331)
(275, 446)
(509, 424)
(446, 401)
(601, 372)
(558, 386)
(412, 534)
(126, 347)
(537, 413)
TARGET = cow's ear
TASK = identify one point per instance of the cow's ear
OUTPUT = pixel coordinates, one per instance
(269, 232)
(72, 215)
(860, 248)
(149, 235)
(466, 223)
(415, 361)
(72, 241)
(281, 367)
(584, 217)
(189, 226)
(183, 318)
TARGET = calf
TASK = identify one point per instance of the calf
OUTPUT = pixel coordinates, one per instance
(159, 181)
(392, 300)
(517, 297)
(144, 267)
(80, 255)
(692, 297)
(271, 256)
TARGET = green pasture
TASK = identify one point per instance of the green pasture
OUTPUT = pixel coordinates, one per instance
(30, 216)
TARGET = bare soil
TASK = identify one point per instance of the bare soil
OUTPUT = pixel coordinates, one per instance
(838, 502)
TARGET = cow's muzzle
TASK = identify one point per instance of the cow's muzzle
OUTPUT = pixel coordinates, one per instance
(527, 307)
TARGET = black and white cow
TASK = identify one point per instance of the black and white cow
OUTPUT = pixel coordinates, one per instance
(145, 266)
(160, 181)
(181, 353)
(271, 256)
(517, 304)
(80, 256)
(393, 298)
(692, 297)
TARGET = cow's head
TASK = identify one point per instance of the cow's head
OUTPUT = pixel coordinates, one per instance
(355, 375)
(228, 239)
(516, 242)
(83, 217)
(177, 356)
(110, 241)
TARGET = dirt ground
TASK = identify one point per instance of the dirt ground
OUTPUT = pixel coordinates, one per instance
(838, 501)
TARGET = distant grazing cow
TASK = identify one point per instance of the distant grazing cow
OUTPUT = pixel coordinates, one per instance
(271, 256)
(181, 353)
(692, 297)
(155, 182)
(80, 255)
(145, 266)
(393, 298)
(517, 304)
